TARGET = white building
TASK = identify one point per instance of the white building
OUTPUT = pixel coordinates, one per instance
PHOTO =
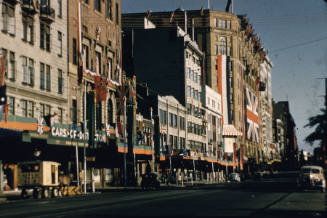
(34, 45)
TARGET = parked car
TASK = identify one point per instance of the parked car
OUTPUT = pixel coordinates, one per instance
(150, 180)
(235, 177)
(312, 177)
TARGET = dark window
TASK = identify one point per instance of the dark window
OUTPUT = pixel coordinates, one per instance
(60, 8)
(48, 79)
(42, 76)
(74, 111)
(99, 115)
(60, 43)
(109, 9)
(45, 36)
(86, 1)
(74, 51)
(97, 5)
(11, 107)
(110, 112)
(60, 82)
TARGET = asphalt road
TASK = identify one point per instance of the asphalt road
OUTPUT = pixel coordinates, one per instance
(233, 200)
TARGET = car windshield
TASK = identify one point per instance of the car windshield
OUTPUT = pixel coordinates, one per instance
(309, 170)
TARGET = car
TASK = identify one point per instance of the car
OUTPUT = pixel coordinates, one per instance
(312, 177)
(150, 181)
(235, 177)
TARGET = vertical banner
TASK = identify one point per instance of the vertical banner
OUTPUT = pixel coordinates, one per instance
(234, 155)
(241, 157)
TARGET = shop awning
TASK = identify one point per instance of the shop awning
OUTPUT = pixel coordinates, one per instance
(230, 130)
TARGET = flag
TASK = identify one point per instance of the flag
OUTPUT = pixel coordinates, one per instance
(172, 17)
(2, 71)
(228, 5)
(100, 84)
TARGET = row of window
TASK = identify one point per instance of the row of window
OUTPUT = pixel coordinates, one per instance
(196, 128)
(195, 94)
(174, 142)
(194, 76)
(173, 119)
(221, 23)
(108, 8)
(9, 26)
(212, 103)
(28, 108)
(28, 72)
(193, 110)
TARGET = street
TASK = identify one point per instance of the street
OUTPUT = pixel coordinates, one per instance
(235, 199)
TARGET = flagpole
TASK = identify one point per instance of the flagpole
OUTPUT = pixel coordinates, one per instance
(84, 149)
(125, 168)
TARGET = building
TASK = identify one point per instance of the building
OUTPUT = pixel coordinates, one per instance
(233, 56)
(266, 107)
(94, 51)
(34, 48)
(290, 151)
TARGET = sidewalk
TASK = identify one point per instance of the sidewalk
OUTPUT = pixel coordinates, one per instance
(15, 194)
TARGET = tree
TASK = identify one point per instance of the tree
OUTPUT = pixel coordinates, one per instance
(320, 134)
(320, 122)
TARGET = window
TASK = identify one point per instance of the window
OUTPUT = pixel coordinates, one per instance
(8, 19)
(60, 43)
(109, 67)
(189, 91)
(86, 56)
(213, 104)
(175, 142)
(97, 5)
(60, 81)
(117, 13)
(74, 111)
(48, 79)
(11, 107)
(215, 23)
(110, 114)
(222, 24)
(24, 108)
(42, 76)
(60, 115)
(60, 8)
(170, 119)
(74, 51)
(11, 67)
(28, 71)
(28, 30)
(47, 110)
(30, 109)
(182, 123)
(182, 143)
(216, 49)
(45, 36)
(163, 117)
(99, 116)
(222, 46)
(228, 24)
(109, 9)
(98, 62)
(42, 110)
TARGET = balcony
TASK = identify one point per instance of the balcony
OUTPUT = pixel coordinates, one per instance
(47, 14)
(28, 7)
(12, 2)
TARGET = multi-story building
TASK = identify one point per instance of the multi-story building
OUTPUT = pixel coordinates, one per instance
(282, 112)
(173, 68)
(34, 47)
(94, 57)
(233, 55)
(266, 105)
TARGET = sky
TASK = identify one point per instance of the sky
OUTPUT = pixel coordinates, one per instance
(295, 34)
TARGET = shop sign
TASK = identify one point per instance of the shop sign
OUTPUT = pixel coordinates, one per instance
(68, 133)
(75, 134)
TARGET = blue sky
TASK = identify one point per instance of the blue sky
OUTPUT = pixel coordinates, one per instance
(295, 34)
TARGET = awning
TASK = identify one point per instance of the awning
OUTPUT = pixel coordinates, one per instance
(230, 130)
